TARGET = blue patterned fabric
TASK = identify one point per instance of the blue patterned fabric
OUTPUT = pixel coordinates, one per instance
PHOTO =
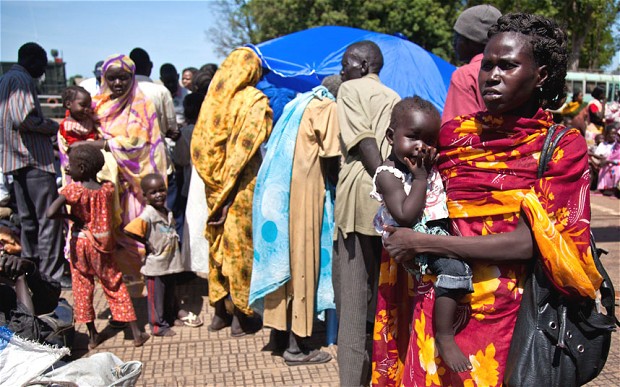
(325, 288)
(270, 215)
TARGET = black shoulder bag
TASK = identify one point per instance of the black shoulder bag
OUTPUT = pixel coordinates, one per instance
(559, 341)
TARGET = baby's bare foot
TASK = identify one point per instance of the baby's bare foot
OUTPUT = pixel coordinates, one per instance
(452, 354)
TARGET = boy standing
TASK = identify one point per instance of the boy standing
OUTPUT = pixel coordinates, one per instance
(155, 228)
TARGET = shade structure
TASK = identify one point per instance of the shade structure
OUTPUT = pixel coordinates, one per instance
(300, 61)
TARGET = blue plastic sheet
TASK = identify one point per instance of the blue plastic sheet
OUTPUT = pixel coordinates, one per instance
(300, 61)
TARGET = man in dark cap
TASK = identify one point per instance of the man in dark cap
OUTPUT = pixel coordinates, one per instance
(92, 85)
(470, 37)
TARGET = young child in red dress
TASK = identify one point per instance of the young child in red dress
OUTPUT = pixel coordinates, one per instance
(92, 241)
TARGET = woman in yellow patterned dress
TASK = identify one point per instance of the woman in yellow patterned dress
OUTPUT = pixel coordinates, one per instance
(502, 215)
(234, 120)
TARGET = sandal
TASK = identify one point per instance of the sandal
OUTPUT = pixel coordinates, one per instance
(191, 320)
(313, 357)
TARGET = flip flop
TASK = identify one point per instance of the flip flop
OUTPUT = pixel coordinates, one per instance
(191, 320)
(313, 357)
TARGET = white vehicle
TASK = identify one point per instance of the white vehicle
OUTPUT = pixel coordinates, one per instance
(586, 82)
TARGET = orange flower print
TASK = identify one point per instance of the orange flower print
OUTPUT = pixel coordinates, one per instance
(484, 372)
(486, 282)
(513, 284)
(428, 352)
(557, 155)
(561, 218)
(380, 330)
(487, 226)
(468, 127)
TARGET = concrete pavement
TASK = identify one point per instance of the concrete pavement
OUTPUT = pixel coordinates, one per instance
(197, 357)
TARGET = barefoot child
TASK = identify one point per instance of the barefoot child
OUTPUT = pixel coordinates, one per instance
(412, 195)
(155, 228)
(91, 243)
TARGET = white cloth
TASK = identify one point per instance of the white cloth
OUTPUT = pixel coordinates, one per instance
(604, 149)
(100, 369)
(91, 85)
(195, 248)
(435, 207)
(22, 360)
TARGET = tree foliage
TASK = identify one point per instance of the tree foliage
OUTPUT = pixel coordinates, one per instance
(428, 23)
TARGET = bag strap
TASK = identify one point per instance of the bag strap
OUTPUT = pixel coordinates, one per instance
(606, 289)
(551, 142)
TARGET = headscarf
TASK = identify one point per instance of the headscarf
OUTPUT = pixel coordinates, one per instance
(113, 107)
(234, 120)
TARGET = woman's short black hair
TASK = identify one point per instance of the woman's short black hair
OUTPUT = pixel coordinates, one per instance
(549, 45)
(88, 156)
(70, 93)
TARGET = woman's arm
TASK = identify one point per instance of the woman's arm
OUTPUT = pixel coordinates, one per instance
(218, 217)
(404, 244)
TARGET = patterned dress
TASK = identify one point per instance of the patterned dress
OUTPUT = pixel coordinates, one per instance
(89, 255)
(500, 154)
(234, 120)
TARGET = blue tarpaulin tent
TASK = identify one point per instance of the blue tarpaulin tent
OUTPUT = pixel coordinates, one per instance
(300, 61)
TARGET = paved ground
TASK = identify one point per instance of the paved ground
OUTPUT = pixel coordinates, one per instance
(197, 357)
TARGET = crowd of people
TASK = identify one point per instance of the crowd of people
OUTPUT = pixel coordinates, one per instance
(345, 197)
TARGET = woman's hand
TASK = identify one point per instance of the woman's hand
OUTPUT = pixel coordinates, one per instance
(401, 244)
(218, 218)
